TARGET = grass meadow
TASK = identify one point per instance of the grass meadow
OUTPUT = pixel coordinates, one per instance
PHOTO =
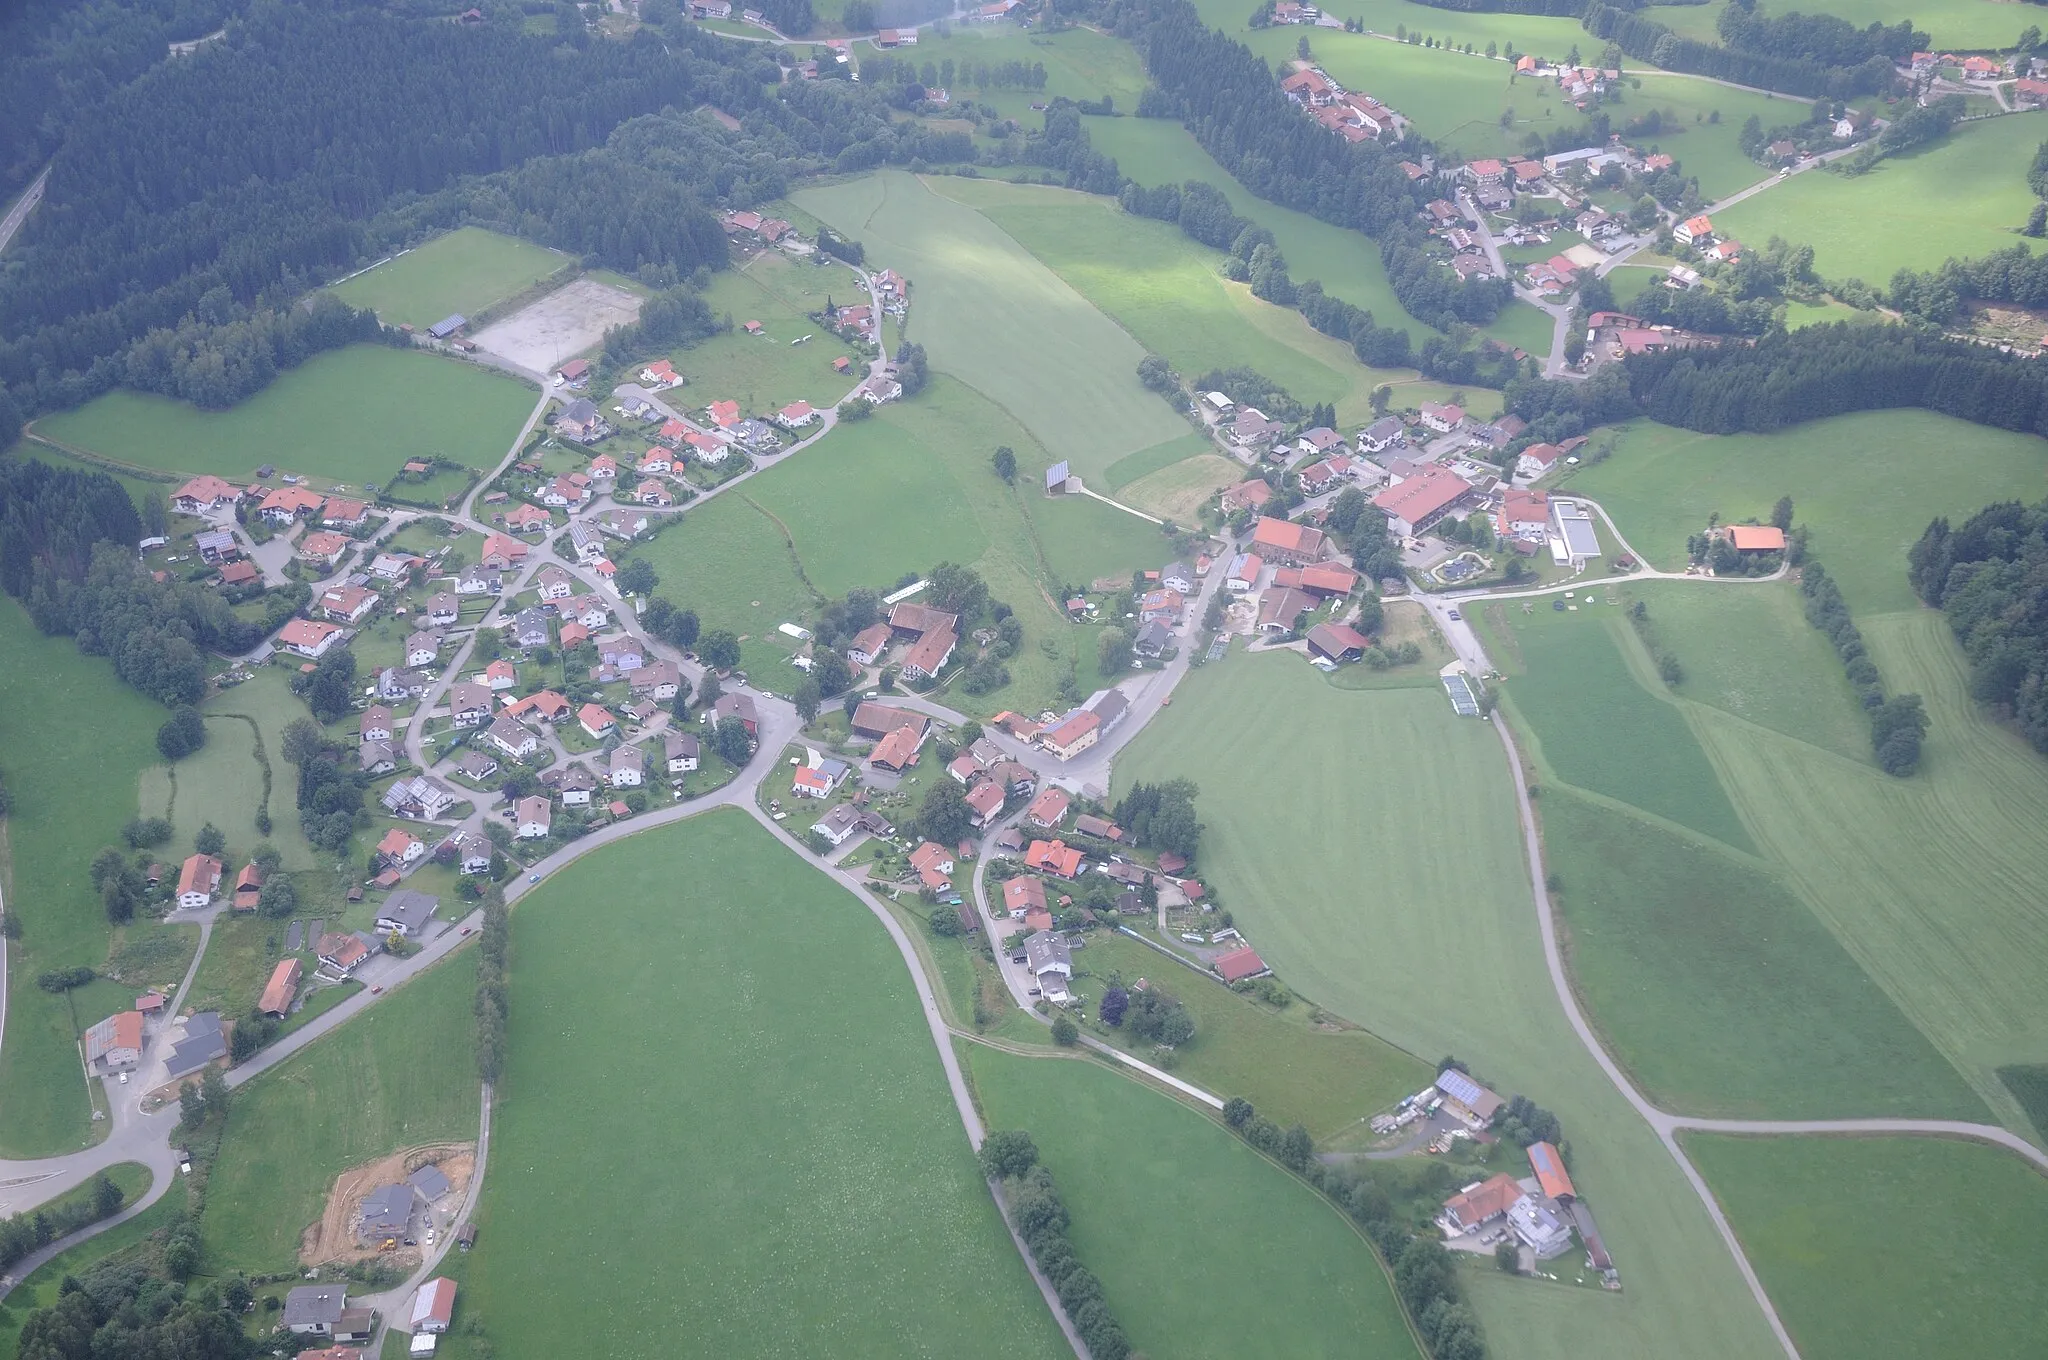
(352, 416)
(1966, 1278)
(1596, 726)
(1371, 853)
(1524, 327)
(1000, 321)
(1153, 1187)
(1280, 1060)
(779, 1168)
(1080, 63)
(1861, 483)
(1720, 990)
(1971, 25)
(1961, 197)
(71, 770)
(1178, 492)
(464, 271)
(401, 1074)
(765, 372)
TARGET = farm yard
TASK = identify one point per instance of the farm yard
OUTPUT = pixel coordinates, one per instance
(817, 1128)
(1401, 902)
(349, 416)
(465, 271)
(1152, 1186)
(1971, 1281)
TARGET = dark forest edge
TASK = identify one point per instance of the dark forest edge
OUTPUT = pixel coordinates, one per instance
(1989, 578)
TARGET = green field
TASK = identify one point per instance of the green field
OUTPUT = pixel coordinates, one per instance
(1960, 198)
(1971, 25)
(1861, 483)
(1970, 1281)
(466, 271)
(1598, 727)
(1368, 847)
(351, 416)
(400, 1075)
(103, 734)
(1155, 1188)
(765, 372)
(1549, 37)
(1002, 322)
(1720, 990)
(1080, 64)
(778, 1158)
(1524, 327)
(1277, 1059)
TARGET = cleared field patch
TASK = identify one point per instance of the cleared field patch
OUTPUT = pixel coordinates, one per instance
(803, 1112)
(1975, 1281)
(1000, 321)
(1932, 882)
(400, 1075)
(1720, 990)
(464, 271)
(1137, 466)
(105, 735)
(1524, 327)
(1959, 198)
(1134, 1167)
(730, 562)
(1866, 485)
(1178, 492)
(539, 337)
(1751, 652)
(1080, 63)
(353, 415)
(1280, 1060)
(1368, 847)
(1598, 727)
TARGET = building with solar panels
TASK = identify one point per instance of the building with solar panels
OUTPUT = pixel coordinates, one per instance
(1463, 689)
(1466, 1099)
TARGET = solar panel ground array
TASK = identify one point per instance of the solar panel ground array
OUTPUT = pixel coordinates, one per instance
(1462, 698)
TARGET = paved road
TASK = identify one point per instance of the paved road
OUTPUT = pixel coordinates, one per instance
(390, 1301)
(23, 206)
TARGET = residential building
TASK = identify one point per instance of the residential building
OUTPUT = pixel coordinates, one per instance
(341, 953)
(1049, 809)
(628, 768)
(870, 645)
(1178, 576)
(314, 1309)
(897, 751)
(347, 603)
(1536, 460)
(1053, 857)
(1478, 1205)
(400, 847)
(1048, 959)
(386, 1213)
(681, 751)
(1240, 965)
(198, 879)
(422, 649)
(1466, 1099)
(875, 720)
(501, 675)
(985, 801)
(1072, 735)
(203, 495)
(1418, 502)
(1693, 231)
(1248, 495)
(1152, 640)
(1523, 514)
(478, 580)
(1756, 538)
(288, 503)
(739, 706)
(1442, 419)
(472, 853)
(513, 739)
(421, 796)
(1384, 433)
(502, 553)
(1281, 608)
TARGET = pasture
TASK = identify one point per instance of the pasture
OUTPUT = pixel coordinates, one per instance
(1003, 323)
(1971, 1281)
(401, 1074)
(1596, 723)
(352, 416)
(1153, 1187)
(1412, 857)
(1276, 1058)
(52, 831)
(765, 372)
(1971, 25)
(1960, 198)
(1178, 492)
(1080, 64)
(1550, 37)
(1524, 327)
(1859, 482)
(790, 1096)
(467, 271)
(1720, 990)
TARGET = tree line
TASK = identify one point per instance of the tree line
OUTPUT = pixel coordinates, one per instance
(23, 1233)
(2016, 275)
(128, 1308)
(491, 1008)
(1647, 40)
(1010, 1158)
(1896, 724)
(1989, 578)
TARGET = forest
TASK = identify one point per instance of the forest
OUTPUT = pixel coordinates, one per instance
(1647, 40)
(1989, 578)
(2016, 275)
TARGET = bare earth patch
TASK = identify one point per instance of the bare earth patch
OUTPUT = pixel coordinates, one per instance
(333, 1238)
(560, 326)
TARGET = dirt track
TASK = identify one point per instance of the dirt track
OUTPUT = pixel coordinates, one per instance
(333, 1238)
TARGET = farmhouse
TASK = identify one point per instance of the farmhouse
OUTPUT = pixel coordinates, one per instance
(341, 953)
(115, 1043)
(1296, 544)
(1240, 965)
(1756, 538)
(1466, 1099)
(198, 879)
(281, 990)
(1478, 1205)
(1337, 642)
(1281, 608)
(1072, 735)
(1421, 500)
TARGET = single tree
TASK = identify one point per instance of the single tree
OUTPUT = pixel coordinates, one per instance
(1781, 513)
(1237, 1112)
(209, 841)
(1006, 1153)
(719, 649)
(1115, 1002)
(806, 700)
(1004, 460)
(1065, 1032)
(734, 743)
(191, 1105)
(944, 816)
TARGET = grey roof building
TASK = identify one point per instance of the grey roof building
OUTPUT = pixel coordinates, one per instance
(202, 1044)
(406, 912)
(386, 1211)
(429, 1181)
(313, 1309)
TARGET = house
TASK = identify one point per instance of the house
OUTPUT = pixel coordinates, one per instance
(1476, 1206)
(530, 628)
(1072, 735)
(338, 512)
(511, 738)
(1053, 857)
(1296, 544)
(288, 503)
(198, 879)
(869, 645)
(396, 684)
(528, 519)
(1240, 965)
(1178, 576)
(239, 573)
(575, 372)
(875, 720)
(1536, 460)
(1088, 824)
(932, 865)
(1337, 642)
(421, 649)
(1281, 608)
(658, 681)
(375, 724)
(386, 1213)
(1982, 68)
(596, 720)
(340, 952)
(1110, 709)
(1243, 573)
(443, 609)
(1756, 538)
(502, 553)
(347, 603)
(929, 655)
(1693, 231)
(1442, 419)
(681, 751)
(1023, 896)
(623, 523)
(1421, 500)
(1466, 1099)
(1049, 809)
(1382, 434)
(501, 675)
(477, 765)
(1048, 959)
(588, 541)
(469, 704)
(796, 415)
(628, 768)
(580, 420)
(576, 784)
(897, 751)
(660, 372)
(322, 547)
(248, 887)
(1152, 640)
(433, 1306)
(472, 853)
(1523, 514)
(115, 1044)
(399, 846)
(406, 912)
(1251, 429)
(623, 653)
(282, 989)
(739, 706)
(653, 491)
(985, 801)
(1320, 477)
(1487, 173)
(478, 580)
(1724, 252)
(1541, 1225)
(314, 1309)
(553, 583)
(203, 495)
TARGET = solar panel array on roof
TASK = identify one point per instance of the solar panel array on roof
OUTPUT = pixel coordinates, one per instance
(1462, 699)
(1458, 1086)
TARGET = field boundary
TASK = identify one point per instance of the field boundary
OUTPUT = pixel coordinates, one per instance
(140, 474)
